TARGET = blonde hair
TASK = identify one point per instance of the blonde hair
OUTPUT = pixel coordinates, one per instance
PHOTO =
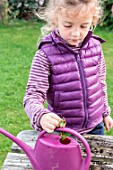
(55, 7)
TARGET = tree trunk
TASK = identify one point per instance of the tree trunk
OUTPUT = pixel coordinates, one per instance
(3, 11)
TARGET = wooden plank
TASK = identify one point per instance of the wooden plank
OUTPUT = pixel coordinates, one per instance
(27, 136)
(15, 161)
(102, 166)
(101, 146)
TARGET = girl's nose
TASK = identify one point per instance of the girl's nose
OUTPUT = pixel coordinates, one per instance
(75, 32)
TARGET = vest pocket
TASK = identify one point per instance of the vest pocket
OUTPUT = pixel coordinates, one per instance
(56, 98)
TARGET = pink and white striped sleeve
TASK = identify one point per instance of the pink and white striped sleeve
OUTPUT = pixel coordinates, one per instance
(36, 89)
(102, 76)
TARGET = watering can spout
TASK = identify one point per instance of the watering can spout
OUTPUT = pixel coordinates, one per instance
(27, 149)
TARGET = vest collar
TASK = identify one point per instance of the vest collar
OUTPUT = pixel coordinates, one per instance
(58, 40)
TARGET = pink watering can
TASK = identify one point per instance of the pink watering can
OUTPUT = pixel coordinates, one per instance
(50, 153)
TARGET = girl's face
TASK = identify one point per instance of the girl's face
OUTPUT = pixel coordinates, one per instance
(73, 29)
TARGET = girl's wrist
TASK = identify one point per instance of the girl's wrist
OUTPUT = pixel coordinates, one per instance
(105, 114)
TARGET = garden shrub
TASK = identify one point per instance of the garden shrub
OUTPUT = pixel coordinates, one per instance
(24, 9)
(107, 20)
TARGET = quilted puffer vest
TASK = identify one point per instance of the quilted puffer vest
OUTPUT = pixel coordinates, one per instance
(75, 91)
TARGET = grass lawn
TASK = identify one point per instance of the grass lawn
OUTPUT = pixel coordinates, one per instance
(18, 44)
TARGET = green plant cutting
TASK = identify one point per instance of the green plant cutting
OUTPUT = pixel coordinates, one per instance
(63, 134)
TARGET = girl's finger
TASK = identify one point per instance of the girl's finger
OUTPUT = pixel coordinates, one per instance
(56, 117)
(49, 130)
(107, 127)
(54, 122)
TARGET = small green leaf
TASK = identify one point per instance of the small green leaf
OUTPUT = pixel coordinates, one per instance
(62, 123)
(63, 136)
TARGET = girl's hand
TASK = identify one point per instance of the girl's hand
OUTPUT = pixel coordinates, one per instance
(108, 122)
(49, 122)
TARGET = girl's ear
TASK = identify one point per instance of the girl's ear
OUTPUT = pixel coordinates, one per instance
(92, 27)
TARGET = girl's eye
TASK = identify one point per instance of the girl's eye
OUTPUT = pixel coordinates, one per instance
(83, 26)
(67, 26)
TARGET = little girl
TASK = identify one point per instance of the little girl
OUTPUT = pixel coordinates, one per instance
(69, 71)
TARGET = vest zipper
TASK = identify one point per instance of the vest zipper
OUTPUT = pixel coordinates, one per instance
(83, 89)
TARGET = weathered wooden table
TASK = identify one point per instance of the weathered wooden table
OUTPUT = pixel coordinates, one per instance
(101, 149)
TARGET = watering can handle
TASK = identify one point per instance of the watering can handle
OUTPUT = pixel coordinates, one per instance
(76, 134)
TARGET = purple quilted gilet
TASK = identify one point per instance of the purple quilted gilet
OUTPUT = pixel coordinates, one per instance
(75, 91)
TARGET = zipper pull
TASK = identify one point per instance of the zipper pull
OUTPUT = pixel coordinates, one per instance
(78, 57)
